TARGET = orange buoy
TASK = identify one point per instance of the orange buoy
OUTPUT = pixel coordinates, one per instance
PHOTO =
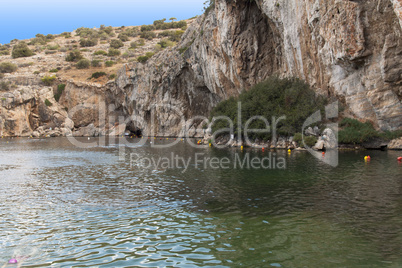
(400, 159)
(263, 149)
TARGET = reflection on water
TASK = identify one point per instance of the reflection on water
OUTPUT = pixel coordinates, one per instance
(63, 206)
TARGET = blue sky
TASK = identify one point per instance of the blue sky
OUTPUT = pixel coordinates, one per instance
(23, 19)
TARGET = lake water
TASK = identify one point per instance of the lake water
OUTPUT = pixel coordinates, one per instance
(63, 206)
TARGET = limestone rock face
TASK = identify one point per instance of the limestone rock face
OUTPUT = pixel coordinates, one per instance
(24, 109)
(395, 144)
(348, 49)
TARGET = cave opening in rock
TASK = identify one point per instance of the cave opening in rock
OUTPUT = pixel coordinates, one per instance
(133, 130)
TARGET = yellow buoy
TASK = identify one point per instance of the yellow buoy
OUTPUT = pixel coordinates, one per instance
(289, 151)
(210, 145)
(242, 147)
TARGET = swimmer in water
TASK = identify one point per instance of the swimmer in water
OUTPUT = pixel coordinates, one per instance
(17, 260)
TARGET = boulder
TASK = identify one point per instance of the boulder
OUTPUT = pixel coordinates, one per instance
(319, 145)
(66, 132)
(88, 131)
(312, 132)
(330, 139)
(327, 140)
(118, 130)
(68, 123)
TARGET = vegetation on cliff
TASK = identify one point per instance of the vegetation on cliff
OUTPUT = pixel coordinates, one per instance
(274, 97)
(355, 132)
(21, 50)
(7, 67)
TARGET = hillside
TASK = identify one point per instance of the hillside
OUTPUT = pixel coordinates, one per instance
(94, 44)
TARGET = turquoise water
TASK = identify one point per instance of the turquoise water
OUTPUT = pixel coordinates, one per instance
(63, 206)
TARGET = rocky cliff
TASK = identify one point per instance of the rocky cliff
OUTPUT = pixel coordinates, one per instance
(348, 49)
(351, 50)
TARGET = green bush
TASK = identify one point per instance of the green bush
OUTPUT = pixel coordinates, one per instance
(74, 55)
(88, 42)
(116, 43)
(176, 36)
(109, 63)
(354, 131)
(123, 37)
(96, 63)
(112, 76)
(147, 28)
(83, 64)
(108, 30)
(142, 59)
(4, 86)
(391, 135)
(145, 58)
(48, 80)
(87, 32)
(60, 90)
(7, 67)
(148, 35)
(125, 55)
(274, 97)
(298, 138)
(133, 32)
(103, 36)
(53, 71)
(166, 43)
(4, 50)
(66, 34)
(98, 74)
(40, 39)
(159, 22)
(138, 43)
(310, 141)
(53, 47)
(48, 103)
(162, 25)
(21, 50)
(113, 52)
(166, 33)
(100, 52)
